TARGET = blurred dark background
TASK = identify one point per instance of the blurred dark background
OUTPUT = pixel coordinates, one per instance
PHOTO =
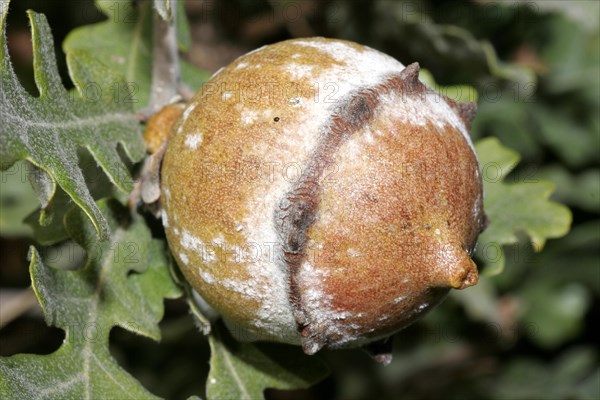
(528, 332)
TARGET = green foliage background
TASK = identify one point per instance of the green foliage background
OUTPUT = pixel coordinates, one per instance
(525, 331)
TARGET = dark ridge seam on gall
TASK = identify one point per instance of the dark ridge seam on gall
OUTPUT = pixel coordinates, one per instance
(297, 210)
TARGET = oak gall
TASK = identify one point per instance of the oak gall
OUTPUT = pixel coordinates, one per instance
(315, 192)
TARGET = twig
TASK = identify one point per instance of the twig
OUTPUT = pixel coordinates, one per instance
(165, 67)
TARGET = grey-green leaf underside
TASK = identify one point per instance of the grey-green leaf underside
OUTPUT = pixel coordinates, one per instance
(123, 283)
(47, 130)
(244, 370)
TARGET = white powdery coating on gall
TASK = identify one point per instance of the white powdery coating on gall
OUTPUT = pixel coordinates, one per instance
(269, 277)
(295, 142)
(165, 218)
(420, 109)
(193, 140)
(219, 240)
(193, 243)
(248, 116)
(358, 68)
(206, 276)
(421, 309)
(241, 66)
(353, 253)
(186, 114)
(299, 71)
(184, 259)
(354, 150)
(368, 68)
(317, 305)
(275, 303)
(166, 198)
(290, 148)
(265, 283)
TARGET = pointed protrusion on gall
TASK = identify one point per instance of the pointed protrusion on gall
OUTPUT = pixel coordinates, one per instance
(463, 271)
(466, 112)
(410, 76)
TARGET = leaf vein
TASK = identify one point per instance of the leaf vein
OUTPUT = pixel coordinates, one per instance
(234, 374)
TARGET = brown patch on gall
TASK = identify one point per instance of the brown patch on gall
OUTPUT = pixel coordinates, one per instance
(452, 267)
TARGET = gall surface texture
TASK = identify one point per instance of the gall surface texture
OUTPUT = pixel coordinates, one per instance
(315, 192)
